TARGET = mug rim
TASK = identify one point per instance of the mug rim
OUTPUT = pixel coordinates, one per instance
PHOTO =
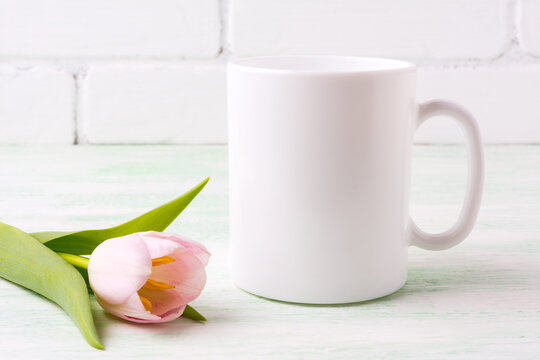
(269, 64)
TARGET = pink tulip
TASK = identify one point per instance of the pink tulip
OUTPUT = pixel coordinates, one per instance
(147, 277)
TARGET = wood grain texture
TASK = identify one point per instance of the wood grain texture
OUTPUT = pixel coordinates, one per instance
(480, 300)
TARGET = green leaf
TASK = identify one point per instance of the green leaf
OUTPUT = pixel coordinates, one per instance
(84, 274)
(193, 314)
(26, 262)
(84, 242)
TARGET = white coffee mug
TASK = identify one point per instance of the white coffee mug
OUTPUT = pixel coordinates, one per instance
(319, 162)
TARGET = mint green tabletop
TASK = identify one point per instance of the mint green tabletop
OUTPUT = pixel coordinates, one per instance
(479, 300)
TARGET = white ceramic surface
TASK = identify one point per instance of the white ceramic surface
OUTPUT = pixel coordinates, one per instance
(319, 157)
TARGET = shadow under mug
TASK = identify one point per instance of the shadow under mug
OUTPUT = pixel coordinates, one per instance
(319, 173)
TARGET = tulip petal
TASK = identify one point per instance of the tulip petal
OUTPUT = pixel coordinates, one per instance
(187, 274)
(132, 309)
(194, 247)
(158, 247)
(163, 301)
(119, 267)
(122, 273)
(172, 314)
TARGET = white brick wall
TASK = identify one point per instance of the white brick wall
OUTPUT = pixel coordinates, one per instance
(505, 101)
(441, 29)
(530, 10)
(152, 71)
(166, 104)
(36, 106)
(109, 28)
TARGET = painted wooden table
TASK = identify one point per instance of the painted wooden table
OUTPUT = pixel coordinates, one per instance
(480, 300)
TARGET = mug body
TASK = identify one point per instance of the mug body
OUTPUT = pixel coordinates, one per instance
(319, 158)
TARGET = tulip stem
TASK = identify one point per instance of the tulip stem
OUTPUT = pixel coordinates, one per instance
(75, 260)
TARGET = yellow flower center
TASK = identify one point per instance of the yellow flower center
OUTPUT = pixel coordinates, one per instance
(156, 285)
(162, 260)
(146, 303)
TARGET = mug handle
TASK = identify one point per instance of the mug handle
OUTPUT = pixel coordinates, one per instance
(469, 211)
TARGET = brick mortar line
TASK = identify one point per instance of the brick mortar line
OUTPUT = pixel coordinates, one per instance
(224, 51)
(75, 110)
(78, 118)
